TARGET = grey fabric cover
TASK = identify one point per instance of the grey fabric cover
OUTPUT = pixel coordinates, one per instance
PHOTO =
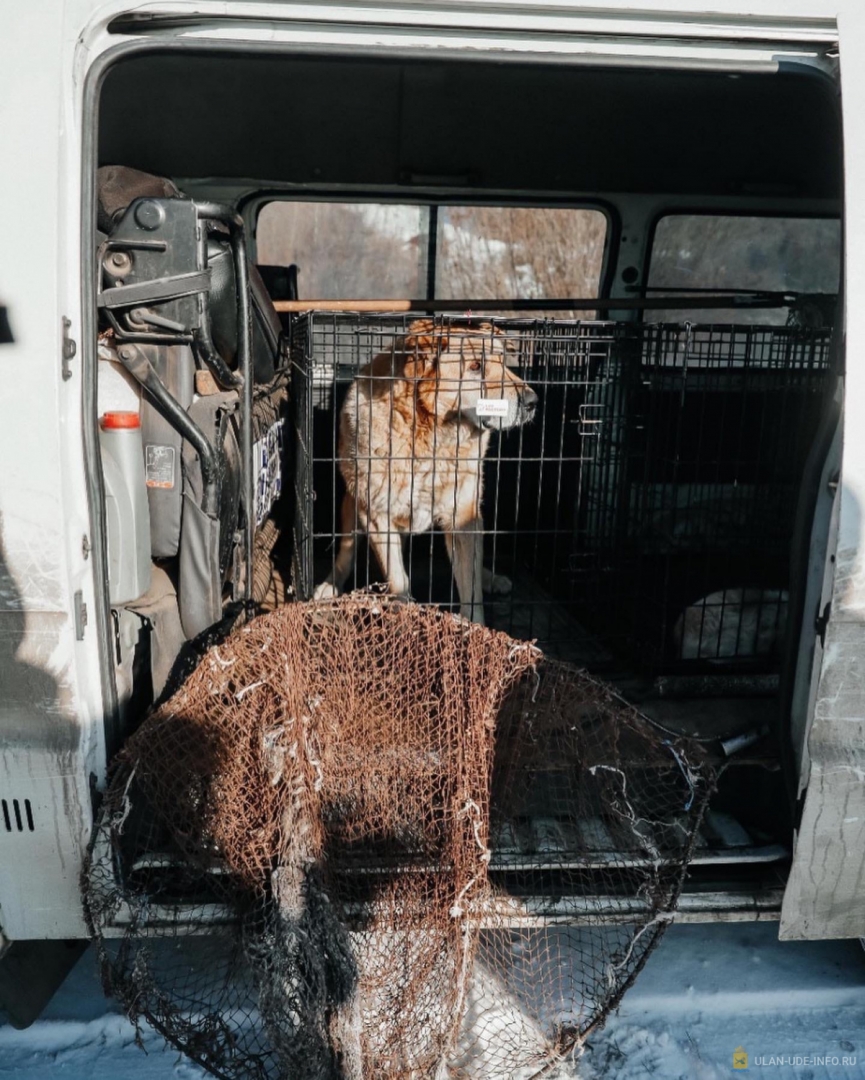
(200, 579)
(163, 447)
(200, 576)
(159, 607)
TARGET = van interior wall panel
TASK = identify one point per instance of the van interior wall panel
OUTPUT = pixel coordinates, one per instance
(480, 125)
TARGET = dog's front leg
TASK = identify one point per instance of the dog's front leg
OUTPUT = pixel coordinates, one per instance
(466, 548)
(386, 543)
(344, 562)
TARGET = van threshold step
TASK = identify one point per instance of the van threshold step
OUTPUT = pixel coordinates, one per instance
(761, 904)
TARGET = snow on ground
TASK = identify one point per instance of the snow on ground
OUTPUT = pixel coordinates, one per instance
(710, 989)
(706, 991)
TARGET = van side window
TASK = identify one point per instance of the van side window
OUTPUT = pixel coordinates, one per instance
(359, 251)
(779, 254)
(377, 250)
(536, 253)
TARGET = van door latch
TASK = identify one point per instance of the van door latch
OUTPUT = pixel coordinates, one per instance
(821, 622)
(80, 613)
(68, 350)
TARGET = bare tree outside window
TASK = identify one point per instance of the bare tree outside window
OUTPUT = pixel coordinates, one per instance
(777, 254)
(358, 251)
(491, 252)
(380, 251)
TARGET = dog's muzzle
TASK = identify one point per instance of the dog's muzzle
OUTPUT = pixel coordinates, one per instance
(524, 411)
(520, 411)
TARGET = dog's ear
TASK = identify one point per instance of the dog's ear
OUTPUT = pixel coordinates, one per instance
(420, 327)
(421, 346)
(422, 336)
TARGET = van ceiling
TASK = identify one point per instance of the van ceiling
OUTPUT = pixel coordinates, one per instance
(377, 124)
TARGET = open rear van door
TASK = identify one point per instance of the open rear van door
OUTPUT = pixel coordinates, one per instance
(825, 894)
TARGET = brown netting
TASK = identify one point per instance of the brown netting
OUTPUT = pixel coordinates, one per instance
(404, 845)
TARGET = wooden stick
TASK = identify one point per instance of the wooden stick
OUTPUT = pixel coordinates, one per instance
(349, 305)
(749, 300)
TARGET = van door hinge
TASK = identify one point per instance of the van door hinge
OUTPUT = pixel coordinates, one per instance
(69, 349)
(80, 609)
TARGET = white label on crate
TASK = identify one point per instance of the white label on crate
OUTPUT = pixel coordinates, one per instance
(491, 406)
(267, 465)
(159, 466)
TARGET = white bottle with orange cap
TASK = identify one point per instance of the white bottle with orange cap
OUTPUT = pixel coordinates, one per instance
(126, 507)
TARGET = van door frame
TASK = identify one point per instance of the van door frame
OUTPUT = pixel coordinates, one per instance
(832, 747)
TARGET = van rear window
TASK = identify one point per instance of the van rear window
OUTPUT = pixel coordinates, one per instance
(778, 254)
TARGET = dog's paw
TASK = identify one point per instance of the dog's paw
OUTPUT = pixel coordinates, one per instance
(473, 613)
(497, 584)
(325, 591)
(401, 597)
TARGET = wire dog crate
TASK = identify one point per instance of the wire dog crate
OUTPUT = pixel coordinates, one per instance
(642, 516)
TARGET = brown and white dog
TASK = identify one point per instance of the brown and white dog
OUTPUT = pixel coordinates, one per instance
(414, 430)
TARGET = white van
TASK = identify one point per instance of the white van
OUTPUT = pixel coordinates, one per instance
(215, 211)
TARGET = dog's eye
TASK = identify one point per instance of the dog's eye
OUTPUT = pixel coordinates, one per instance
(475, 365)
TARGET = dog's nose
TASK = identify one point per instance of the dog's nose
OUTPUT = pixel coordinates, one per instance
(530, 398)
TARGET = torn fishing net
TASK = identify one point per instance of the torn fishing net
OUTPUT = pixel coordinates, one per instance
(369, 839)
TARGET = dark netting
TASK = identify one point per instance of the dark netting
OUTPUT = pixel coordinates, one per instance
(593, 821)
(370, 839)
